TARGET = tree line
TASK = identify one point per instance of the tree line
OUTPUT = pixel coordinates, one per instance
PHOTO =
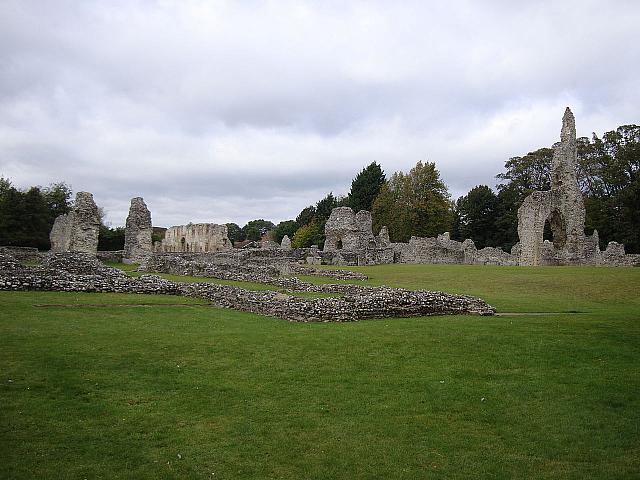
(26, 216)
(413, 203)
(418, 202)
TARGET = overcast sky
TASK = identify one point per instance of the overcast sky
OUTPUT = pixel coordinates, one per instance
(217, 111)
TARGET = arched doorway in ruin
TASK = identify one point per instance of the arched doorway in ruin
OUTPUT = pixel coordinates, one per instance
(339, 244)
(182, 244)
(556, 226)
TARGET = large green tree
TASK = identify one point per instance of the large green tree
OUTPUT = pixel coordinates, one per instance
(476, 213)
(311, 222)
(110, 239)
(254, 229)
(416, 203)
(306, 215)
(325, 206)
(235, 233)
(527, 173)
(365, 187)
(308, 235)
(287, 227)
(610, 180)
(26, 216)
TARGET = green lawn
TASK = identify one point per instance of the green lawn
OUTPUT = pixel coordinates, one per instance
(124, 386)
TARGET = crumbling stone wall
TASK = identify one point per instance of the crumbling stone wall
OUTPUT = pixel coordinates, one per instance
(196, 237)
(23, 254)
(562, 207)
(350, 240)
(360, 247)
(115, 256)
(60, 234)
(345, 230)
(137, 234)
(443, 250)
(78, 230)
(76, 272)
(614, 255)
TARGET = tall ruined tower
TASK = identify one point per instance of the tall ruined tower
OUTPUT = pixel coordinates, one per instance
(562, 207)
(137, 234)
(568, 197)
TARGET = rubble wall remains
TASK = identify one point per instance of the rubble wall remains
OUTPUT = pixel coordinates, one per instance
(78, 230)
(138, 243)
(77, 272)
(350, 240)
(562, 207)
(196, 237)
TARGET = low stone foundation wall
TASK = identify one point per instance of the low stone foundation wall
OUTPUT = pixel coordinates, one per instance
(115, 256)
(83, 273)
(23, 254)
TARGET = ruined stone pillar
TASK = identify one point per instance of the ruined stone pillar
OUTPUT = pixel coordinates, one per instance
(137, 234)
(569, 200)
(85, 226)
(562, 206)
(60, 235)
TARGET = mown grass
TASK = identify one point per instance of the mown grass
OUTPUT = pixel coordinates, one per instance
(166, 391)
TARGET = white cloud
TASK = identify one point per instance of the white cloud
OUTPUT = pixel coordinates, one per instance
(228, 111)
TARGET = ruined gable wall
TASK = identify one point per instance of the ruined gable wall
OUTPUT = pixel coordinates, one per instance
(196, 237)
(562, 206)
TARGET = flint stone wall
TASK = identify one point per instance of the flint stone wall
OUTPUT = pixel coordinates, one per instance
(22, 254)
(78, 230)
(115, 256)
(345, 230)
(60, 235)
(76, 272)
(137, 234)
(196, 237)
(350, 240)
(562, 207)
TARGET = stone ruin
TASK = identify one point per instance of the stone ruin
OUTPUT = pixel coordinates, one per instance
(78, 230)
(285, 244)
(349, 231)
(138, 243)
(195, 237)
(350, 240)
(434, 250)
(81, 272)
(563, 208)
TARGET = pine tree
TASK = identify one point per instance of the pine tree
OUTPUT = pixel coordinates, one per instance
(365, 187)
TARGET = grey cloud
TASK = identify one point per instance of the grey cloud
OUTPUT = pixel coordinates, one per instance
(262, 108)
